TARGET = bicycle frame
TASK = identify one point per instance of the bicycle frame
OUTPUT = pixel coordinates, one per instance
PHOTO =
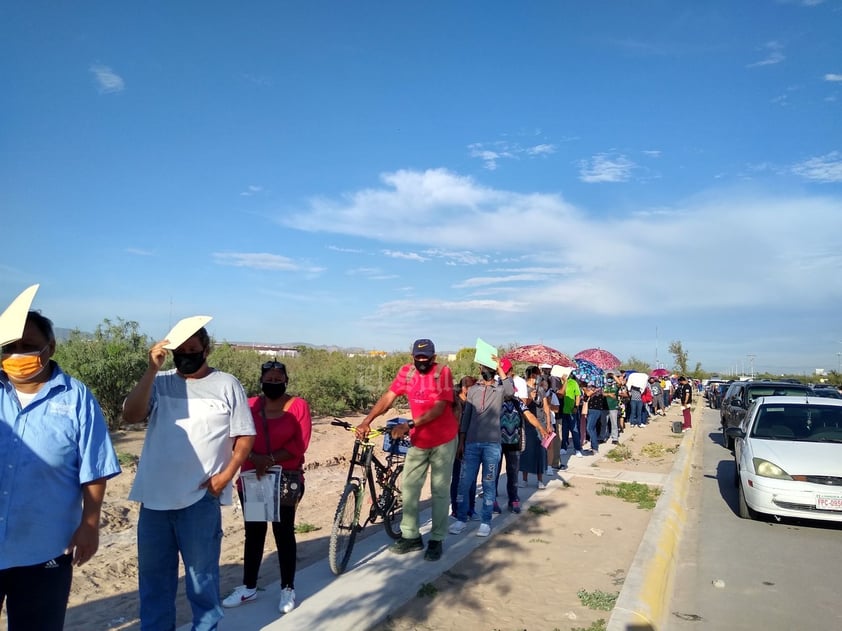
(363, 456)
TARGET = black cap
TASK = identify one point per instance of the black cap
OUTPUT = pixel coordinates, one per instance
(423, 348)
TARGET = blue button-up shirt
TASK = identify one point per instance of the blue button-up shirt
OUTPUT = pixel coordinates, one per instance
(48, 450)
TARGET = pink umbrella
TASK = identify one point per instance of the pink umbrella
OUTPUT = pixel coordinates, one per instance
(659, 372)
(600, 358)
(540, 354)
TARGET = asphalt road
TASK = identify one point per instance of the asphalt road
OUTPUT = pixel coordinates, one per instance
(736, 574)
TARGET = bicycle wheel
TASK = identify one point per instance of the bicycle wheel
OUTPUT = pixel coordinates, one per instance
(394, 510)
(345, 527)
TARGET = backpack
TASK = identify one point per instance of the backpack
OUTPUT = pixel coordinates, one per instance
(511, 423)
(455, 405)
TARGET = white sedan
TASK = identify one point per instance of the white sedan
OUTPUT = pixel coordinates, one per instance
(788, 452)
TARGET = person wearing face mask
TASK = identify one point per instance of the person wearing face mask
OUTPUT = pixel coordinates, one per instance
(199, 432)
(56, 458)
(429, 389)
(479, 444)
(283, 427)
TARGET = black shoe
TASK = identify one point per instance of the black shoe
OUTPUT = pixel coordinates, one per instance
(402, 546)
(433, 552)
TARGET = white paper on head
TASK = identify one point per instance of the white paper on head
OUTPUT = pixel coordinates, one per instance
(184, 330)
(13, 319)
(561, 371)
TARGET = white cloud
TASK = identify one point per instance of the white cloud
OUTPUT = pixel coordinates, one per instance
(606, 168)
(826, 168)
(833, 77)
(774, 55)
(251, 190)
(407, 256)
(263, 261)
(140, 252)
(653, 153)
(589, 263)
(336, 248)
(107, 80)
(372, 273)
(491, 153)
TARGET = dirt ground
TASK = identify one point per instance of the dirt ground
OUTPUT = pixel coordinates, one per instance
(526, 577)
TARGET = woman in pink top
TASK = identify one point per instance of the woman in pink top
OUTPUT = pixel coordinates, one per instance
(283, 428)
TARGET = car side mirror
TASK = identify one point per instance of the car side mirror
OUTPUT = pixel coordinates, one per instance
(735, 432)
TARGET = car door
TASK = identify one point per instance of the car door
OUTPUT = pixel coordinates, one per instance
(731, 404)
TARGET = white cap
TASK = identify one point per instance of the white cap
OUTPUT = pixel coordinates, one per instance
(544, 366)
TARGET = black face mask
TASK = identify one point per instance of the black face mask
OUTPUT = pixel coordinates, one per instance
(423, 367)
(274, 390)
(188, 363)
(487, 374)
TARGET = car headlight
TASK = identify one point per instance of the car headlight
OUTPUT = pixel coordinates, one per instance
(769, 469)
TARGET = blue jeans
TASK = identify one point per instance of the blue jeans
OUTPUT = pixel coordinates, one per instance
(570, 425)
(636, 417)
(196, 533)
(593, 435)
(487, 454)
(454, 489)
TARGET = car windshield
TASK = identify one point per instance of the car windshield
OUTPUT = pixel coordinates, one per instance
(808, 423)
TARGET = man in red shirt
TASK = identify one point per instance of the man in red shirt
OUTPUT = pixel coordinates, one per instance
(433, 430)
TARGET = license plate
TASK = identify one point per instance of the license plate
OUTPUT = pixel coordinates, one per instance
(829, 502)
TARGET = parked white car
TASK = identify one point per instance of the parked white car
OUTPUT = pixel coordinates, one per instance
(788, 452)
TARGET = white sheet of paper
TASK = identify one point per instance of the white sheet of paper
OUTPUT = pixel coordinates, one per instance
(13, 319)
(638, 379)
(561, 371)
(484, 354)
(260, 495)
(184, 329)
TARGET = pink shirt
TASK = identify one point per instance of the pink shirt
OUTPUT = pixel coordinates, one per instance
(290, 431)
(422, 392)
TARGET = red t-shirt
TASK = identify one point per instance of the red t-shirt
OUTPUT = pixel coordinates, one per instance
(422, 392)
(290, 431)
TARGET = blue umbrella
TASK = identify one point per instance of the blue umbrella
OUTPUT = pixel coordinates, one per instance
(589, 372)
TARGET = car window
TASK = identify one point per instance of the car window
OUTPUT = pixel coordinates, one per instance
(810, 423)
(774, 391)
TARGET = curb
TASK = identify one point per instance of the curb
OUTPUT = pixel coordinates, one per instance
(643, 601)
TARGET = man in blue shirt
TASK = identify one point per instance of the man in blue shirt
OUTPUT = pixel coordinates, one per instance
(56, 456)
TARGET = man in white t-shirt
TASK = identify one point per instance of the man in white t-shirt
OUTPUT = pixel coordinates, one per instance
(200, 431)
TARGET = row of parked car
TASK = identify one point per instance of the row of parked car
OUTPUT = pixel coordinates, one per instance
(787, 442)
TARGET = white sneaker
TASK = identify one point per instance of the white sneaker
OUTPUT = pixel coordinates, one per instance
(456, 527)
(239, 596)
(287, 603)
(541, 486)
(549, 471)
(484, 530)
(522, 484)
(580, 454)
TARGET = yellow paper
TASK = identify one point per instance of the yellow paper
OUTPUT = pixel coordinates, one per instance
(485, 354)
(13, 319)
(184, 330)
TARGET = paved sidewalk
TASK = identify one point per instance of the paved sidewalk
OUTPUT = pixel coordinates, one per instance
(375, 585)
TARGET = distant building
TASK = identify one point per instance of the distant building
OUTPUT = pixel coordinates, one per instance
(270, 350)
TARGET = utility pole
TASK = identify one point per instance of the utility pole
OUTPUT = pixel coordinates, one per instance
(751, 365)
(657, 363)
(839, 363)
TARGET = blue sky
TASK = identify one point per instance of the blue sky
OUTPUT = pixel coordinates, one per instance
(609, 174)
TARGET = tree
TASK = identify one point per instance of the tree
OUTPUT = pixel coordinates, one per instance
(110, 363)
(635, 364)
(679, 355)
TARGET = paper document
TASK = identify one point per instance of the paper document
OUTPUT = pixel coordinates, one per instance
(261, 496)
(485, 354)
(13, 319)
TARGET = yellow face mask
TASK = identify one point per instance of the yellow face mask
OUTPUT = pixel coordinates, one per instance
(23, 366)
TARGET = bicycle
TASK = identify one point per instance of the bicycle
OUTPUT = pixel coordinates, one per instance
(384, 484)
